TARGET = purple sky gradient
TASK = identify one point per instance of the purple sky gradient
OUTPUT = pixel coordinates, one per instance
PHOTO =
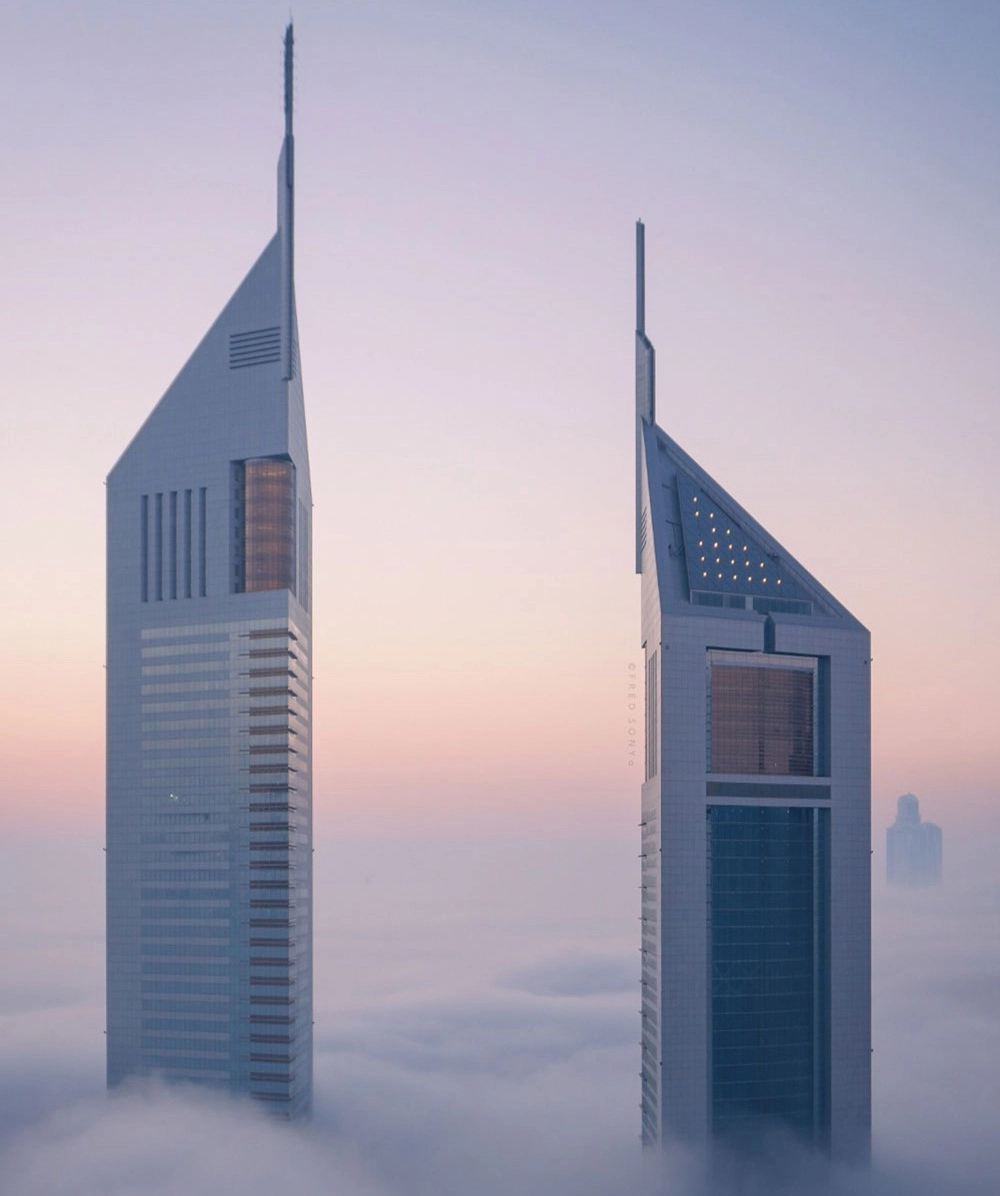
(819, 185)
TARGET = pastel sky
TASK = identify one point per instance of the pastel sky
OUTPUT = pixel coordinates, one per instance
(819, 186)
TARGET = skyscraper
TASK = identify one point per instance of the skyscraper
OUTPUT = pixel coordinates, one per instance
(913, 849)
(755, 818)
(209, 691)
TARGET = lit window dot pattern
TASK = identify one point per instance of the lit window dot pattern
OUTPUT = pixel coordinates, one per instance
(761, 573)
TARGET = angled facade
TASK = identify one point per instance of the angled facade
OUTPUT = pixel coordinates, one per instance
(755, 819)
(209, 694)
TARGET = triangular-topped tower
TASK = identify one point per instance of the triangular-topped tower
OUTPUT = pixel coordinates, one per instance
(209, 791)
(755, 818)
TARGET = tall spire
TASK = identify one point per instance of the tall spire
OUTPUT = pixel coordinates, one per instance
(286, 222)
(289, 47)
(640, 276)
(645, 380)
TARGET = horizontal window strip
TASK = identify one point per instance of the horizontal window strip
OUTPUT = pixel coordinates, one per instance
(769, 790)
(185, 894)
(189, 1025)
(209, 649)
(201, 988)
(186, 1062)
(195, 950)
(183, 914)
(177, 968)
(179, 1005)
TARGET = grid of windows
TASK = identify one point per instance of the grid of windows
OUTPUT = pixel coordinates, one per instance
(265, 522)
(769, 902)
(762, 714)
(217, 836)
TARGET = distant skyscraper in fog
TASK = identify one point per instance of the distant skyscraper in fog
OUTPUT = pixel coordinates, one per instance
(209, 806)
(913, 851)
(756, 862)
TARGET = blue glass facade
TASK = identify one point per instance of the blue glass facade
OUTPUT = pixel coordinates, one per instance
(770, 962)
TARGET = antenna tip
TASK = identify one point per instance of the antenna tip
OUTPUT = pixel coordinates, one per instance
(289, 43)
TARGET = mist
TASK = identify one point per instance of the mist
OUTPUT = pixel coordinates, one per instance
(476, 1032)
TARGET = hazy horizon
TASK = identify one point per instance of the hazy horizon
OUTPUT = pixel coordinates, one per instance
(476, 1010)
(819, 187)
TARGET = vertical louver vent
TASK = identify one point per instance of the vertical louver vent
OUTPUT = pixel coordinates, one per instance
(259, 347)
(173, 530)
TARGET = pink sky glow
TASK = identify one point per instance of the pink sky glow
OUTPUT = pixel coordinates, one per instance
(818, 185)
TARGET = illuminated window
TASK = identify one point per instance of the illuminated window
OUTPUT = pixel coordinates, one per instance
(761, 718)
(264, 524)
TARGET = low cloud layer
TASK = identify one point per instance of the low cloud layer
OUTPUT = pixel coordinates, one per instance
(480, 1047)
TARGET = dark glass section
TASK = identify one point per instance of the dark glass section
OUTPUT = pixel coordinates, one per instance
(264, 525)
(202, 538)
(788, 606)
(652, 716)
(768, 789)
(144, 550)
(305, 557)
(769, 870)
(726, 565)
(173, 544)
(158, 547)
(762, 720)
(237, 490)
(187, 543)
